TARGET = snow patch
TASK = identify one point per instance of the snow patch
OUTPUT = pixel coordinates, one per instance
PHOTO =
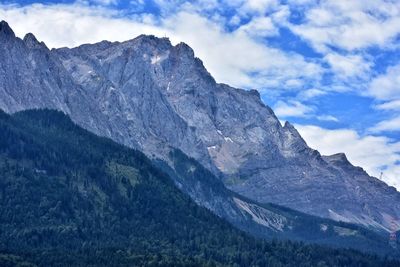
(228, 139)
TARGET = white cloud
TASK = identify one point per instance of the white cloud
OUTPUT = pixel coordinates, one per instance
(387, 85)
(374, 153)
(259, 6)
(327, 118)
(105, 2)
(390, 125)
(391, 105)
(98, 2)
(72, 25)
(294, 83)
(280, 15)
(292, 109)
(231, 57)
(347, 65)
(350, 25)
(310, 93)
(259, 27)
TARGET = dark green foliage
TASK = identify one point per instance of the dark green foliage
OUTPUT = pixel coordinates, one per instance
(70, 198)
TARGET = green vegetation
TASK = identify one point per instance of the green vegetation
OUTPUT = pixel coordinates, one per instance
(70, 198)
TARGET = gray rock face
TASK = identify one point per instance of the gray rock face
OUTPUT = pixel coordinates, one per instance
(153, 96)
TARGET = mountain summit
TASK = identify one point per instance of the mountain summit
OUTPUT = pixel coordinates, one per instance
(5, 29)
(156, 97)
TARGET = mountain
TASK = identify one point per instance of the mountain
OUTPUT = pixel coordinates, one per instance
(71, 198)
(150, 95)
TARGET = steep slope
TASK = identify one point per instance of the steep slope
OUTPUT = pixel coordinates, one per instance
(150, 95)
(70, 198)
(246, 144)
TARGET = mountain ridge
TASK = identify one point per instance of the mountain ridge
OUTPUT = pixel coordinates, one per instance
(150, 95)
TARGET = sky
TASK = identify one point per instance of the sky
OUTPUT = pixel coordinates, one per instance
(330, 67)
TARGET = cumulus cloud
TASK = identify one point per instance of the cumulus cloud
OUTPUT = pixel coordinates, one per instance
(347, 65)
(260, 27)
(387, 86)
(342, 31)
(260, 6)
(350, 25)
(386, 89)
(72, 25)
(375, 154)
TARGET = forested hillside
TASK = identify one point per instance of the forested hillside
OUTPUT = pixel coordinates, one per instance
(70, 198)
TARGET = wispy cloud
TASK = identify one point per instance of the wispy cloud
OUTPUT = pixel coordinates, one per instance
(347, 66)
(310, 93)
(292, 108)
(327, 118)
(259, 27)
(390, 125)
(391, 105)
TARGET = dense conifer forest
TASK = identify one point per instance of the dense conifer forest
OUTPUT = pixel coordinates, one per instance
(71, 198)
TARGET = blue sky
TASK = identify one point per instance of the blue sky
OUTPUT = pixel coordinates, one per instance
(331, 67)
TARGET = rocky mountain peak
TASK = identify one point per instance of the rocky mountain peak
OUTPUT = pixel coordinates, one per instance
(340, 157)
(184, 49)
(341, 160)
(32, 43)
(292, 130)
(5, 30)
(146, 42)
(255, 92)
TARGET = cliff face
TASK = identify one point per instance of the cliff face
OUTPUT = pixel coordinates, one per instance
(153, 96)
